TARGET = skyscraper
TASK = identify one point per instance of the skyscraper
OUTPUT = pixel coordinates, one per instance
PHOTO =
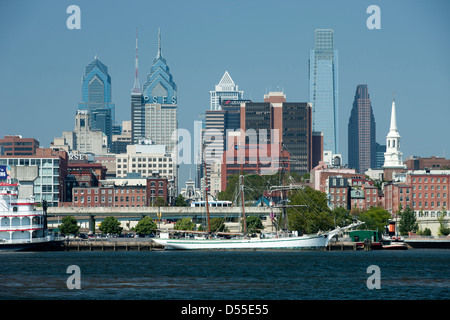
(154, 110)
(226, 89)
(323, 88)
(362, 148)
(289, 122)
(96, 95)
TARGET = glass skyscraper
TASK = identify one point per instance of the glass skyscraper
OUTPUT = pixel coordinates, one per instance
(323, 88)
(362, 148)
(96, 96)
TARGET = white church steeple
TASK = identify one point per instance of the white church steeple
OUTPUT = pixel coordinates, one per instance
(393, 156)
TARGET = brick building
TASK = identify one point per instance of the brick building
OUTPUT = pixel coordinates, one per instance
(396, 194)
(132, 191)
(18, 146)
(338, 192)
(432, 163)
(430, 190)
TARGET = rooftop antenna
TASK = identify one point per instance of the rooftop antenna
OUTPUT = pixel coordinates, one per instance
(159, 43)
(136, 87)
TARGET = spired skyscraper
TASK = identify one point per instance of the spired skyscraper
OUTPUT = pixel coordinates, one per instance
(362, 148)
(226, 89)
(96, 97)
(323, 88)
(154, 109)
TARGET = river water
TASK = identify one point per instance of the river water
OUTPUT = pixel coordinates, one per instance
(226, 275)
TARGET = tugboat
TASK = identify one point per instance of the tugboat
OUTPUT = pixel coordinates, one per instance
(22, 226)
(393, 241)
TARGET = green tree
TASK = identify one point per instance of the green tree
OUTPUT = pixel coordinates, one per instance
(443, 230)
(408, 222)
(160, 202)
(342, 216)
(375, 218)
(218, 225)
(184, 224)
(69, 226)
(110, 225)
(254, 224)
(145, 226)
(424, 232)
(180, 201)
(313, 216)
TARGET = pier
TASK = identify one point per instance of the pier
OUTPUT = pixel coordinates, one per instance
(341, 246)
(110, 245)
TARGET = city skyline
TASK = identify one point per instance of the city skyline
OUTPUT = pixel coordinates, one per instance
(39, 47)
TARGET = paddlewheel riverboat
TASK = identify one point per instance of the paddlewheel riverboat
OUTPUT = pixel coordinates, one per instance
(22, 225)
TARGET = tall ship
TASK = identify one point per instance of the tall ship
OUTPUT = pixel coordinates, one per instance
(281, 240)
(22, 226)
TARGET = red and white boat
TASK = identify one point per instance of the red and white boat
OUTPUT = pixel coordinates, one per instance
(22, 226)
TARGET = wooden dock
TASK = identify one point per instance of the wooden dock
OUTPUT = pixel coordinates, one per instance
(87, 245)
(341, 246)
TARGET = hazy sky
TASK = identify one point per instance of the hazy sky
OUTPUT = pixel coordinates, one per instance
(264, 45)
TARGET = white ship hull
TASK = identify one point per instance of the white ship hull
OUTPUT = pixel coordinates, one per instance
(319, 241)
(303, 242)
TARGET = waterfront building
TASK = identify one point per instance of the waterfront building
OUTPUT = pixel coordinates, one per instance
(148, 161)
(226, 89)
(323, 88)
(131, 191)
(396, 194)
(393, 162)
(15, 145)
(82, 174)
(362, 148)
(430, 191)
(41, 175)
(338, 192)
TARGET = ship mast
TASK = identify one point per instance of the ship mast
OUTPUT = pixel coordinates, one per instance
(206, 192)
(241, 185)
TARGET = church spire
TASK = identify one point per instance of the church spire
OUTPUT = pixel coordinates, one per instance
(393, 118)
(393, 155)
(136, 87)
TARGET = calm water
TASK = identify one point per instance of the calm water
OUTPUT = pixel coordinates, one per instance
(261, 275)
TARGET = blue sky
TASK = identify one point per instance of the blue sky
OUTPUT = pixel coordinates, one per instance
(264, 45)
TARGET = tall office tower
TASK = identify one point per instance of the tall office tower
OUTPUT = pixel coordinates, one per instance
(96, 95)
(323, 88)
(362, 148)
(226, 89)
(160, 103)
(290, 122)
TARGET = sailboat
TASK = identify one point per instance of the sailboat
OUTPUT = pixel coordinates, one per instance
(244, 242)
